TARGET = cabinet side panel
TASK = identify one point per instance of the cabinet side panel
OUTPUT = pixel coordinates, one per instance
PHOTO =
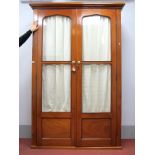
(119, 85)
(34, 87)
(34, 114)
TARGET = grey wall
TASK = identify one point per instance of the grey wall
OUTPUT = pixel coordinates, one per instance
(128, 64)
(25, 54)
(128, 72)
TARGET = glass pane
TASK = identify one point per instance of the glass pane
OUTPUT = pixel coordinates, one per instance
(96, 38)
(96, 88)
(57, 38)
(56, 88)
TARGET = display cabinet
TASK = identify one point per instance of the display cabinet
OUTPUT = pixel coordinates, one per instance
(76, 75)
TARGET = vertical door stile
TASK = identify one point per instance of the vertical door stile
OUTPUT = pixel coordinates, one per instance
(79, 77)
(114, 102)
(39, 80)
(119, 85)
(73, 78)
(34, 86)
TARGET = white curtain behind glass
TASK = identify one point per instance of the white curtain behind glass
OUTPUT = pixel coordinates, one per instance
(96, 38)
(56, 38)
(96, 82)
(56, 78)
(96, 88)
(56, 88)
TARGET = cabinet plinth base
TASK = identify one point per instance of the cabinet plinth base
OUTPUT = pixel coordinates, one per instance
(74, 147)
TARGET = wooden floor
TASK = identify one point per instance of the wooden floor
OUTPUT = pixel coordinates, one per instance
(24, 149)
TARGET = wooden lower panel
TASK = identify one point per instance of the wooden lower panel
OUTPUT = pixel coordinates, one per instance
(56, 128)
(96, 128)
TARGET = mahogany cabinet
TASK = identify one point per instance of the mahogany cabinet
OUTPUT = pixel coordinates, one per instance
(76, 75)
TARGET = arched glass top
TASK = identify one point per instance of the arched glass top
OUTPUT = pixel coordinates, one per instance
(96, 38)
(56, 38)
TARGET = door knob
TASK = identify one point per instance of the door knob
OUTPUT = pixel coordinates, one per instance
(73, 69)
(78, 62)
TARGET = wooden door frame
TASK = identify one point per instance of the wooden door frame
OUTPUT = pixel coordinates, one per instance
(37, 72)
(111, 13)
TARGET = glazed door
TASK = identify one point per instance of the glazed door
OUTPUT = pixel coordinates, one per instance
(96, 77)
(56, 78)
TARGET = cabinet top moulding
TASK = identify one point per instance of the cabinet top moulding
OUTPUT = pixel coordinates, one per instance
(94, 4)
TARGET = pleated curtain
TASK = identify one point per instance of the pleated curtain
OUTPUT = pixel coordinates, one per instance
(56, 88)
(96, 35)
(56, 78)
(57, 38)
(96, 88)
(96, 79)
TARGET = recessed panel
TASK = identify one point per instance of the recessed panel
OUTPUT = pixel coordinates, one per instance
(56, 128)
(96, 128)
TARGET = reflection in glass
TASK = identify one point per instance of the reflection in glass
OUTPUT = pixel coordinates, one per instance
(56, 88)
(96, 88)
(56, 38)
(96, 38)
